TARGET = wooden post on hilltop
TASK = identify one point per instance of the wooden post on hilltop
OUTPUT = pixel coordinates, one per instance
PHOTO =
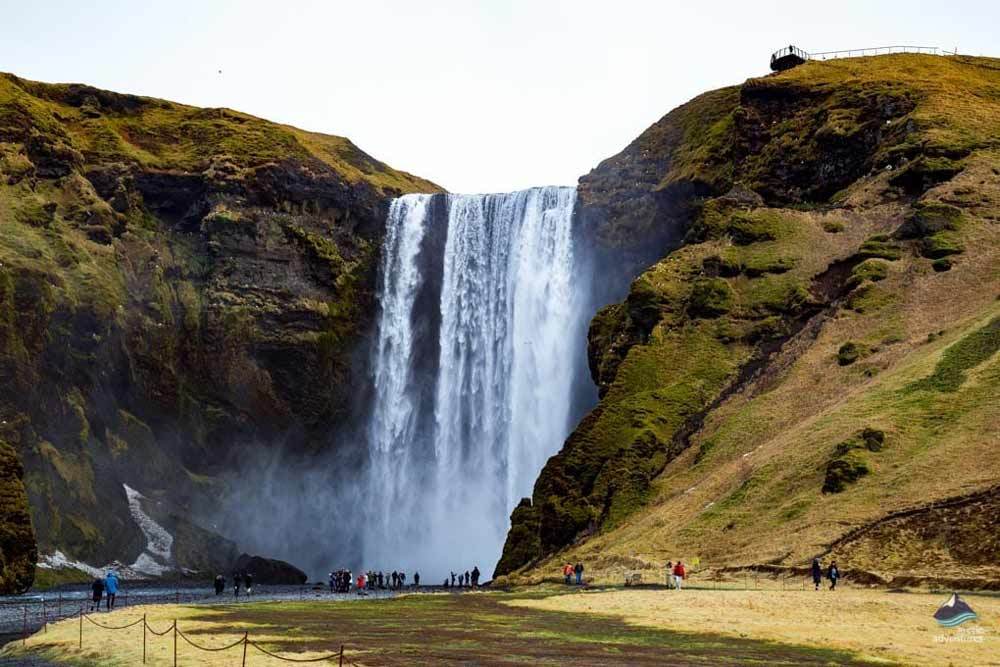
(144, 639)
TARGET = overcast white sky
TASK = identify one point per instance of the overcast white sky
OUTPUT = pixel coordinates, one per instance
(477, 96)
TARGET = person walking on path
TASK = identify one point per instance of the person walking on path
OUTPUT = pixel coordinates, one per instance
(579, 574)
(97, 588)
(817, 573)
(568, 573)
(833, 574)
(679, 574)
(670, 574)
(111, 588)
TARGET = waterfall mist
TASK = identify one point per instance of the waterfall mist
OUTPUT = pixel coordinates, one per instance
(478, 367)
(478, 373)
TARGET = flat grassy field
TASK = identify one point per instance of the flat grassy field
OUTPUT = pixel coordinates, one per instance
(440, 629)
(873, 624)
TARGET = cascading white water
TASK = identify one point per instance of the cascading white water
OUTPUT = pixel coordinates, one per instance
(482, 323)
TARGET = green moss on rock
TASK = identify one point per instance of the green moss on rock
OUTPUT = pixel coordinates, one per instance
(850, 352)
(872, 270)
(881, 247)
(18, 553)
(710, 297)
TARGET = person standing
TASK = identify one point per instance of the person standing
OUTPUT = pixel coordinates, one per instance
(568, 573)
(248, 580)
(670, 574)
(579, 574)
(220, 584)
(237, 582)
(97, 590)
(416, 579)
(111, 588)
(475, 576)
(679, 574)
(817, 573)
(833, 574)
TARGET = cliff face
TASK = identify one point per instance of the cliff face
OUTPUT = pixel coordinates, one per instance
(17, 538)
(812, 230)
(174, 283)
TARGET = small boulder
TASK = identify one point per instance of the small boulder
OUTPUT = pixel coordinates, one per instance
(270, 570)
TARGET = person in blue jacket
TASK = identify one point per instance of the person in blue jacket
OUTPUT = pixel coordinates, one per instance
(111, 588)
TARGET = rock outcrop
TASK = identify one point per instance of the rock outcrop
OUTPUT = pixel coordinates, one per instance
(269, 571)
(175, 283)
(18, 553)
(788, 217)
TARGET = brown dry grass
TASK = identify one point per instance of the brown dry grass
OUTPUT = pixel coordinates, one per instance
(894, 627)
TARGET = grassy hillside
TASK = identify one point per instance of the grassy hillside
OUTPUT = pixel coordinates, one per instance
(816, 350)
(175, 283)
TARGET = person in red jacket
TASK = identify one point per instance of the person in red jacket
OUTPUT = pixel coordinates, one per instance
(679, 574)
(568, 573)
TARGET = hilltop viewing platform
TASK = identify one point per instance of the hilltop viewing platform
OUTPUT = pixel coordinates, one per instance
(790, 56)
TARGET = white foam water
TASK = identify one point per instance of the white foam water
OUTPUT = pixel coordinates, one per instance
(480, 339)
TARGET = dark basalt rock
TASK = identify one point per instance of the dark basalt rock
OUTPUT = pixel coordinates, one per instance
(18, 553)
(269, 571)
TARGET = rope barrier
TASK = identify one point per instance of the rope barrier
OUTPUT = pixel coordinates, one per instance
(206, 648)
(244, 641)
(160, 634)
(112, 627)
(279, 657)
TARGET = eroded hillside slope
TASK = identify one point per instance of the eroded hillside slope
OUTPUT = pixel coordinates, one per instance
(175, 284)
(819, 350)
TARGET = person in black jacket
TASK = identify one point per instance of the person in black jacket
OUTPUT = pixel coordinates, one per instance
(237, 582)
(579, 573)
(248, 580)
(817, 572)
(97, 588)
(220, 584)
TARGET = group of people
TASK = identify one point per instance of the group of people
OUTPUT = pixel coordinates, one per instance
(340, 581)
(240, 580)
(832, 573)
(676, 574)
(467, 580)
(106, 588)
(569, 571)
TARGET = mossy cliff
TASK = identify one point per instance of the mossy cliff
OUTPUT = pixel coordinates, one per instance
(175, 282)
(788, 236)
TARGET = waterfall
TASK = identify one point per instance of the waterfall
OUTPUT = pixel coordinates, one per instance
(480, 344)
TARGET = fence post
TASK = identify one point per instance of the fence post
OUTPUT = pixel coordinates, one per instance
(341, 655)
(245, 640)
(81, 627)
(144, 639)
(24, 629)
(175, 642)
